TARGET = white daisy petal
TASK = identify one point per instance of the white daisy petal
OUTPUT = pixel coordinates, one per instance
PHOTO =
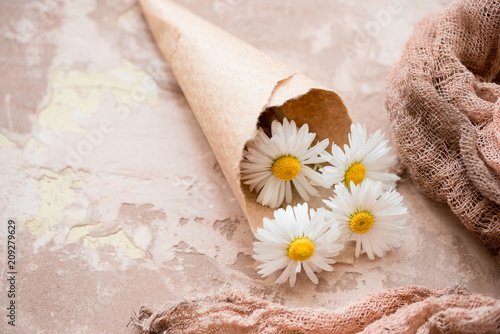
(273, 265)
(304, 187)
(297, 238)
(293, 273)
(368, 215)
(288, 194)
(310, 273)
(358, 248)
(321, 263)
(365, 158)
(285, 275)
(315, 178)
(290, 149)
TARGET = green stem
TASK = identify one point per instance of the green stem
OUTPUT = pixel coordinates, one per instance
(319, 166)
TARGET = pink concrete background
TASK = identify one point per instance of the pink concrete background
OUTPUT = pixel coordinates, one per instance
(117, 196)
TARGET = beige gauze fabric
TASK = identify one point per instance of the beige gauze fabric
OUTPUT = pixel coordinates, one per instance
(410, 309)
(228, 84)
(444, 106)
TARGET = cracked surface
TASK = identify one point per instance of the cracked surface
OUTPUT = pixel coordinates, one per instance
(118, 197)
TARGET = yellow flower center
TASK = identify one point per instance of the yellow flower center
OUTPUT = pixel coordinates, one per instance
(286, 168)
(301, 249)
(355, 173)
(361, 222)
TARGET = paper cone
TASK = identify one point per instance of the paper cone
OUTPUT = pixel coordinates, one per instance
(228, 84)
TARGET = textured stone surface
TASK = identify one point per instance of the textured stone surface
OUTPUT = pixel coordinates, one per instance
(118, 198)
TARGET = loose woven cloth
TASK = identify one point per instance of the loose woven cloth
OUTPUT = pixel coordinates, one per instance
(443, 102)
(410, 309)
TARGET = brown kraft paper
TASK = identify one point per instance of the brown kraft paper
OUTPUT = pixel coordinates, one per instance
(229, 83)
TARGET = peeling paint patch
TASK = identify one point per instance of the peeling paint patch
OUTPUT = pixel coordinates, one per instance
(347, 254)
(78, 232)
(245, 263)
(182, 221)
(4, 141)
(226, 227)
(144, 213)
(118, 240)
(142, 237)
(56, 194)
(77, 94)
(33, 144)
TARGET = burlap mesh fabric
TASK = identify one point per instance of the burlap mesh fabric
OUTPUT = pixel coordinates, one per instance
(403, 310)
(444, 106)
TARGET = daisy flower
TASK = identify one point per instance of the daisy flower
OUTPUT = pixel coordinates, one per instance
(295, 240)
(364, 158)
(271, 165)
(368, 215)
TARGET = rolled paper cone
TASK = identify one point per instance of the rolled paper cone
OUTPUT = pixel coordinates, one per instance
(228, 84)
